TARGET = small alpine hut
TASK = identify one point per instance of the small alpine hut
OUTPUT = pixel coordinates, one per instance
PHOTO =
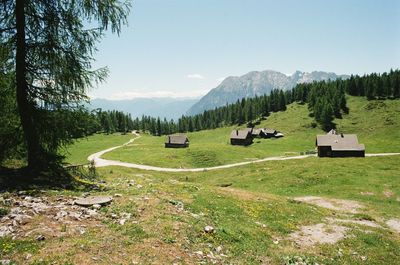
(268, 133)
(241, 137)
(339, 145)
(254, 132)
(176, 141)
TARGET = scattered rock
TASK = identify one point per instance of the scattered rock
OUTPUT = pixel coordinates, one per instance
(23, 209)
(139, 186)
(318, 234)
(114, 216)
(218, 249)
(332, 204)
(6, 230)
(122, 221)
(118, 195)
(28, 256)
(367, 193)
(90, 201)
(261, 224)
(209, 229)
(5, 262)
(394, 224)
(41, 238)
(96, 206)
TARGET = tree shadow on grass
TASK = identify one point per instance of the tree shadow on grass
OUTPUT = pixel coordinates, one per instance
(54, 178)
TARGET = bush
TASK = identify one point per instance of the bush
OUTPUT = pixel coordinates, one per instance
(4, 211)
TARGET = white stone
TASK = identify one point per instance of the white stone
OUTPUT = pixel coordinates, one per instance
(209, 229)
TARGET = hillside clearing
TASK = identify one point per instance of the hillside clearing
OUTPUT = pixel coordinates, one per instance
(368, 119)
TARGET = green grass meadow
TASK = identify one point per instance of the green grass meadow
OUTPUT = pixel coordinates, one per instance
(251, 207)
(78, 152)
(375, 122)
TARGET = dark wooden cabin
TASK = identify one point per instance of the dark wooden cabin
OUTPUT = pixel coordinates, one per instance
(176, 141)
(339, 145)
(254, 132)
(241, 137)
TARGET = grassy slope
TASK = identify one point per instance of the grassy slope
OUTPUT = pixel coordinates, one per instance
(260, 194)
(163, 233)
(78, 152)
(211, 147)
(375, 122)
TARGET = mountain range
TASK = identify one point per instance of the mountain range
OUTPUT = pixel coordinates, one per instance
(255, 83)
(229, 91)
(170, 108)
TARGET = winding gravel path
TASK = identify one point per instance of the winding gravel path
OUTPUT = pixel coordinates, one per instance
(100, 162)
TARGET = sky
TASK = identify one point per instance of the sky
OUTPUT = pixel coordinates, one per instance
(184, 48)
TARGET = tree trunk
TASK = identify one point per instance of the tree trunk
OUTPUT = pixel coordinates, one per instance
(25, 106)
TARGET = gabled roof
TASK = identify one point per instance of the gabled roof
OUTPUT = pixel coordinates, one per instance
(176, 139)
(333, 131)
(240, 134)
(340, 142)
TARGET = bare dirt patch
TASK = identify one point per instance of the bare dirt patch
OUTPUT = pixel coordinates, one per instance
(394, 224)
(332, 204)
(388, 193)
(311, 235)
(357, 222)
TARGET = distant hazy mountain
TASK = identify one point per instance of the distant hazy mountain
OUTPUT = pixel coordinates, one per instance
(255, 83)
(170, 108)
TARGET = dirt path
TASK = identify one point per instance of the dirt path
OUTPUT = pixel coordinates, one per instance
(100, 162)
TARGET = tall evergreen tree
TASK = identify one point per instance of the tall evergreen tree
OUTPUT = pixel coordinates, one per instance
(53, 50)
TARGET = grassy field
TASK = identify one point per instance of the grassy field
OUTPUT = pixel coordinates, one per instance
(78, 152)
(212, 147)
(253, 217)
(254, 209)
(375, 122)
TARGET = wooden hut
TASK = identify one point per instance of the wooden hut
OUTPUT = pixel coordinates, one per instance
(339, 145)
(176, 141)
(241, 137)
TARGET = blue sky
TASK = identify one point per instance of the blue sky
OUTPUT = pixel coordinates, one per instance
(184, 48)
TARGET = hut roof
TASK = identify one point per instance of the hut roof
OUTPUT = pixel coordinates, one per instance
(256, 131)
(340, 142)
(269, 131)
(176, 139)
(240, 134)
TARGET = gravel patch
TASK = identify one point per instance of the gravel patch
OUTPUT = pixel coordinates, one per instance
(321, 233)
(332, 204)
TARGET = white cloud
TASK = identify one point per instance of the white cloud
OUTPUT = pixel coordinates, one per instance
(157, 94)
(195, 76)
